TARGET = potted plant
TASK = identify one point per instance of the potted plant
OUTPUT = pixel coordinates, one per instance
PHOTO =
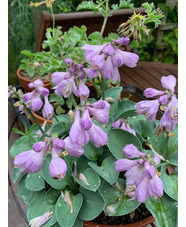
(104, 158)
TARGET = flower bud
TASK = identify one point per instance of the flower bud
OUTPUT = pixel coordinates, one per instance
(39, 146)
(130, 151)
(58, 144)
(86, 122)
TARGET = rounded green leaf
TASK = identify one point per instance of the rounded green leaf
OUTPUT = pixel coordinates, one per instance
(51, 196)
(55, 183)
(116, 203)
(38, 207)
(170, 183)
(118, 139)
(63, 210)
(63, 126)
(92, 152)
(125, 108)
(92, 179)
(173, 159)
(25, 194)
(20, 145)
(15, 174)
(106, 170)
(35, 182)
(141, 125)
(164, 210)
(78, 222)
(93, 204)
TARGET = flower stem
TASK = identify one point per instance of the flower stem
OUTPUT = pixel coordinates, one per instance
(53, 18)
(103, 87)
(105, 18)
(34, 118)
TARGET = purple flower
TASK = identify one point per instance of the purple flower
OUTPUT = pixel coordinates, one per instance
(98, 136)
(39, 221)
(98, 105)
(92, 50)
(116, 124)
(72, 148)
(30, 161)
(125, 126)
(168, 82)
(48, 109)
(78, 135)
(155, 187)
(148, 108)
(141, 192)
(151, 92)
(36, 103)
(100, 115)
(92, 72)
(135, 175)
(108, 50)
(83, 91)
(122, 41)
(39, 146)
(58, 144)
(86, 122)
(150, 171)
(43, 91)
(58, 77)
(131, 151)
(163, 99)
(124, 164)
(36, 84)
(58, 166)
(170, 116)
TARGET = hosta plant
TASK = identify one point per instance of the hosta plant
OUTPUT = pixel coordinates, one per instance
(104, 154)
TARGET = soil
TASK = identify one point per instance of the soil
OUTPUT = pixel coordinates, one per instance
(137, 215)
(45, 77)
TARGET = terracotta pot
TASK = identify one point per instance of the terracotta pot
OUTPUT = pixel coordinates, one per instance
(24, 82)
(40, 119)
(142, 223)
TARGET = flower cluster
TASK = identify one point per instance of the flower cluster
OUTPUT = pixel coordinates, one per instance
(33, 99)
(167, 102)
(32, 160)
(141, 177)
(108, 58)
(122, 124)
(83, 128)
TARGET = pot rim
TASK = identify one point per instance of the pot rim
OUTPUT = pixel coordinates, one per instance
(39, 118)
(27, 80)
(142, 223)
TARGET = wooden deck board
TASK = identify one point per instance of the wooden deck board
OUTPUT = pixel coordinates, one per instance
(148, 74)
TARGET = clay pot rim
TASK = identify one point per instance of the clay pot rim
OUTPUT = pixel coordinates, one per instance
(27, 80)
(142, 223)
(39, 118)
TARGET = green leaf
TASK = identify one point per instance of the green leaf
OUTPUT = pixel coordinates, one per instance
(16, 174)
(63, 126)
(25, 194)
(170, 183)
(78, 222)
(55, 98)
(88, 5)
(35, 182)
(28, 53)
(30, 70)
(164, 211)
(63, 210)
(92, 178)
(173, 142)
(38, 207)
(55, 183)
(95, 36)
(118, 139)
(51, 196)
(173, 159)
(113, 93)
(125, 109)
(116, 203)
(106, 170)
(92, 206)
(77, 34)
(20, 145)
(71, 101)
(92, 152)
(141, 125)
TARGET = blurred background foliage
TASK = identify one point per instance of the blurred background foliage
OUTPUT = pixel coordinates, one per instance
(23, 22)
